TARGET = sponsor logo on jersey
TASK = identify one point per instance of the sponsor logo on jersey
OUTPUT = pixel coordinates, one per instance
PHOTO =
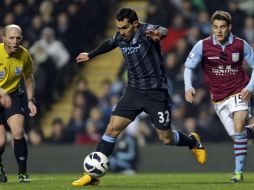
(235, 57)
(224, 70)
(130, 50)
(214, 57)
(18, 70)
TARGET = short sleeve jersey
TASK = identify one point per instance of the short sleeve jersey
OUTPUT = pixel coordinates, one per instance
(13, 67)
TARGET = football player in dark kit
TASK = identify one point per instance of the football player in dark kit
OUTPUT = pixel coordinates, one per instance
(146, 90)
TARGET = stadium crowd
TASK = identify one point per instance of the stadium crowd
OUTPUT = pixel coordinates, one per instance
(55, 31)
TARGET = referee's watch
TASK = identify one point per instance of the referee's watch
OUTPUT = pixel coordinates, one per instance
(31, 100)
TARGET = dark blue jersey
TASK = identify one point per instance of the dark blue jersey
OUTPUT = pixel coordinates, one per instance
(142, 57)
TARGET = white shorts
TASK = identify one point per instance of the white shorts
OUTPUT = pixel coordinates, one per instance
(226, 108)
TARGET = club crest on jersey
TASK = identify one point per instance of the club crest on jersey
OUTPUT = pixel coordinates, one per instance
(18, 70)
(235, 57)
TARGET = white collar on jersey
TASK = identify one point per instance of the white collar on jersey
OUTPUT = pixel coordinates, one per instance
(230, 40)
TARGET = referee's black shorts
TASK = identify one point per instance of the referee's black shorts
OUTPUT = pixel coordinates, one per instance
(16, 107)
(155, 103)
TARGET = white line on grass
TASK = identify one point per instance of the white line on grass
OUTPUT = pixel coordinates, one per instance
(35, 179)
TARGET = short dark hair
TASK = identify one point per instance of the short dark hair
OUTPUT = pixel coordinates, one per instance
(127, 13)
(221, 15)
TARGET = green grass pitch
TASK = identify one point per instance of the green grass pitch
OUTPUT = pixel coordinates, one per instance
(148, 181)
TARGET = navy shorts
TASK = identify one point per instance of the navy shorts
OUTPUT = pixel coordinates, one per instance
(16, 107)
(155, 103)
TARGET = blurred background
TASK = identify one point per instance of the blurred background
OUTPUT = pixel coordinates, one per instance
(75, 100)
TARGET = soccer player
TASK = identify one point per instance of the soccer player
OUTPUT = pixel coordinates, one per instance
(221, 56)
(146, 90)
(15, 62)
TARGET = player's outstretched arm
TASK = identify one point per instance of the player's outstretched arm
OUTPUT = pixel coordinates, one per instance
(103, 48)
(82, 57)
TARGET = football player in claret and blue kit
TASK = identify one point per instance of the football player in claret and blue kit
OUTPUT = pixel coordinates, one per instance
(221, 57)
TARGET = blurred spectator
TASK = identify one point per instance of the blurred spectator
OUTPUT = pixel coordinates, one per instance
(19, 12)
(238, 16)
(105, 99)
(160, 12)
(79, 100)
(193, 36)
(190, 125)
(188, 12)
(35, 136)
(33, 32)
(46, 12)
(8, 19)
(248, 29)
(176, 31)
(56, 50)
(204, 24)
(96, 120)
(77, 123)
(93, 129)
(82, 86)
(125, 156)
(44, 75)
(59, 135)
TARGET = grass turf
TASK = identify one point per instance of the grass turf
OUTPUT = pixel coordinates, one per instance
(151, 181)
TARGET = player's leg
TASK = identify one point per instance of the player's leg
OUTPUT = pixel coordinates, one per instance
(226, 118)
(116, 125)
(16, 123)
(15, 119)
(124, 113)
(226, 112)
(239, 110)
(240, 144)
(178, 138)
(3, 177)
(160, 111)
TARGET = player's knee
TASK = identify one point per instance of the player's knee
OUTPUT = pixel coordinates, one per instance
(112, 130)
(18, 133)
(239, 128)
(2, 142)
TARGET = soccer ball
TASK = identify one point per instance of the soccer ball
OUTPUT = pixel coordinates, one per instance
(96, 164)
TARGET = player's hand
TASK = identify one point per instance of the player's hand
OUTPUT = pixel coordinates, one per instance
(190, 95)
(245, 94)
(32, 108)
(82, 57)
(155, 35)
(5, 100)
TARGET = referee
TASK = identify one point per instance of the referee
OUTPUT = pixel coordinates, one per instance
(15, 63)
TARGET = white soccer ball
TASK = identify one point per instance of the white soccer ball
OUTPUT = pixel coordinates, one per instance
(96, 164)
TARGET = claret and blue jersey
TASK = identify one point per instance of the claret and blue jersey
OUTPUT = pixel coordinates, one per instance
(222, 66)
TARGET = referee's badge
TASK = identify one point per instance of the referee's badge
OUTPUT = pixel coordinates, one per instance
(2, 74)
(18, 70)
(235, 57)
